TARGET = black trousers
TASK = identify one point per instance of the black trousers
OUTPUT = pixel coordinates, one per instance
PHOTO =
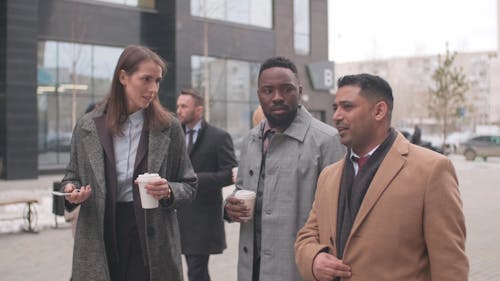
(197, 267)
(129, 266)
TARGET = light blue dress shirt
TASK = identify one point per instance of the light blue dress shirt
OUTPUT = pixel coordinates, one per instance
(125, 153)
(196, 129)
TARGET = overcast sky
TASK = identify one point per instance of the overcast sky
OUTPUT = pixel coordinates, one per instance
(368, 29)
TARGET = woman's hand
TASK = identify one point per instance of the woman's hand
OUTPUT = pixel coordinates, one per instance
(77, 196)
(159, 189)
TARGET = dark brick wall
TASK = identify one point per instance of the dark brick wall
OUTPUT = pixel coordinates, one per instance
(3, 100)
(19, 83)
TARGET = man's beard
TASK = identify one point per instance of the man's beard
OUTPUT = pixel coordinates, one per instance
(281, 121)
(188, 118)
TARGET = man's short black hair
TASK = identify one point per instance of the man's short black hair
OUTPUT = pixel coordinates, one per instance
(372, 87)
(278, 62)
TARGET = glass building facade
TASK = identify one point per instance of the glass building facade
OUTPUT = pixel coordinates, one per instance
(149, 4)
(248, 12)
(62, 57)
(232, 92)
(70, 77)
(301, 28)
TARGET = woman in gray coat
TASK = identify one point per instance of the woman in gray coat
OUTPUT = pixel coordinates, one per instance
(130, 134)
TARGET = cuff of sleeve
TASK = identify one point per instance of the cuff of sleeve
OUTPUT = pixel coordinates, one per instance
(169, 201)
(224, 213)
(306, 260)
(70, 206)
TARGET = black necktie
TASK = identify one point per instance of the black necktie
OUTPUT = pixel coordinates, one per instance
(190, 141)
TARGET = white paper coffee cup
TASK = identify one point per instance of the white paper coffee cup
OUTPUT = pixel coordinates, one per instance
(248, 197)
(235, 173)
(147, 200)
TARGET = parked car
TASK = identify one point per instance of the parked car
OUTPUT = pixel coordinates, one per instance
(483, 146)
(59, 142)
(416, 139)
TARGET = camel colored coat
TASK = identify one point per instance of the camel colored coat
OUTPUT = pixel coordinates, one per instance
(410, 225)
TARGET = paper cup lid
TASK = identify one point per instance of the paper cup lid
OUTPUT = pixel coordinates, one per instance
(147, 176)
(245, 194)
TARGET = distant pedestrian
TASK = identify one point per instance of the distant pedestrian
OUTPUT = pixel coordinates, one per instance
(212, 155)
(416, 137)
(258, 116)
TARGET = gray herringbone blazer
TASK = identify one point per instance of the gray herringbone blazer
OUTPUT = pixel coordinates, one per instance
(166, 155)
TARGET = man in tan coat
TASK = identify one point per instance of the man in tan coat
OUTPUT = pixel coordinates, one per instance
(395, 216)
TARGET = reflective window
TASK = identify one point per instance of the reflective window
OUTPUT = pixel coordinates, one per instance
(231, 92)
(70, 77)
(301, 20)
(150, 4)
(251, 12)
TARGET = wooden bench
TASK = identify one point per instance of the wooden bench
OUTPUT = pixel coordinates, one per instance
(29, 215)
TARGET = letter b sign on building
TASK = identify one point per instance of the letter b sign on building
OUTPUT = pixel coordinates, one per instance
(321, 75)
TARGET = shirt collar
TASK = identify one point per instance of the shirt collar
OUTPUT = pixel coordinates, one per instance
(297, 129)
(196, 127)
(268, 129)
(370, 153)
(137, 117)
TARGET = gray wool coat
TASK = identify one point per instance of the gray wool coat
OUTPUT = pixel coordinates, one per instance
(167, 156)
(294, 161)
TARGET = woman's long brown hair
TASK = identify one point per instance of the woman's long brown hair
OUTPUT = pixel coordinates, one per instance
(156, 116)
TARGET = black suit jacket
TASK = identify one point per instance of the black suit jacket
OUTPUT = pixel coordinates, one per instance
(201, 223)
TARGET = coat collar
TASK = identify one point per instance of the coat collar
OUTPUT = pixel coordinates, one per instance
(297, 129)
(94, 148)
(157, 149)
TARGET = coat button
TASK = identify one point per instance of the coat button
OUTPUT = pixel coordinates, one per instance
(250, 172)
(245, 249)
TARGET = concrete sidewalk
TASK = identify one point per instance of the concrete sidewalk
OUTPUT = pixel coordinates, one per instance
(47, 254)
(41, 189)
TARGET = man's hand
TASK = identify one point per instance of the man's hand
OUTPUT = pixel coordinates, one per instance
(77, 196)
(326, 267)
(236, 209)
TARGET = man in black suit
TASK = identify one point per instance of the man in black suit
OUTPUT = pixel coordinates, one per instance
(212, 155)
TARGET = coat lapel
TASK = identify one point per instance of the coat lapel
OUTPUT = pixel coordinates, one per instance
(94, 147)
(335, 177)
(141, 148)
(158, 148)
(388, 170)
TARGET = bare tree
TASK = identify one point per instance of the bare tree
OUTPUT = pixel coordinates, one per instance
(447, 96)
